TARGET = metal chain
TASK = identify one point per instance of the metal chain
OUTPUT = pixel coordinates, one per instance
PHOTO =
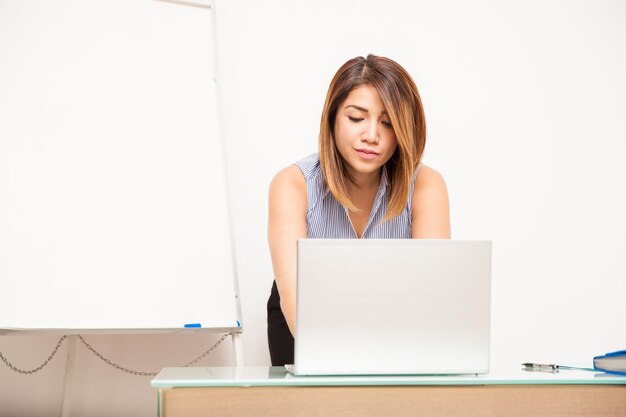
(40, 367)
(116, 366)
(141, 373)
(109, 362)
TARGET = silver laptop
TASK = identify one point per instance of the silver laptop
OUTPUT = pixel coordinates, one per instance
(392, 306)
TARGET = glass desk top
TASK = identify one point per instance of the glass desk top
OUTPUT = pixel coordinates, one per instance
(265, 376)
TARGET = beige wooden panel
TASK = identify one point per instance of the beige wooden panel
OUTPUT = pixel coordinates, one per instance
(466, 401)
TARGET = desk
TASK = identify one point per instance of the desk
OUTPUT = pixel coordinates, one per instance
(271, 391)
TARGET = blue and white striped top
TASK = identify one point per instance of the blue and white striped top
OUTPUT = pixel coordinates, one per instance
(327, 219)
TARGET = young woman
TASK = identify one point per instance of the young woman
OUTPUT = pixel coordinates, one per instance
(367, 181)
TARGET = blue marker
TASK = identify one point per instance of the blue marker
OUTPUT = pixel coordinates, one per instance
(238, 324)
(192, 325)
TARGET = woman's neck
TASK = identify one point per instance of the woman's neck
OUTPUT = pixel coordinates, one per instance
(364, 183)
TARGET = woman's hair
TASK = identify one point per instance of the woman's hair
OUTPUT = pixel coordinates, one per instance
(401, 99)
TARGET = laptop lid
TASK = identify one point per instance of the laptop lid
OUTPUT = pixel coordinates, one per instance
(392, 306)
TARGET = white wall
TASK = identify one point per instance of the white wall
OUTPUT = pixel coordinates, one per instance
(526, 108)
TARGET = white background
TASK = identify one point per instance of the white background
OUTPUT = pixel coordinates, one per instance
(526, 110)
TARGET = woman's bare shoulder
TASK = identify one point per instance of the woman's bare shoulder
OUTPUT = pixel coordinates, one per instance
(289, 185)
(429, 178)
(289, 178)
(430, 206)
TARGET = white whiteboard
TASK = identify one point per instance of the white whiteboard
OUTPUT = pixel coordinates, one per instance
(114, 211)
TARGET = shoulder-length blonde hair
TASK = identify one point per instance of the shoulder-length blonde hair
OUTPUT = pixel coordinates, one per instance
(401, 99)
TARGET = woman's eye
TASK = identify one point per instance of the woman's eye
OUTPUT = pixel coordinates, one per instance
(386, 123)
(355, 119)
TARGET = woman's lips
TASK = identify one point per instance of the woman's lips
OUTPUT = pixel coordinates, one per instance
(366, 153)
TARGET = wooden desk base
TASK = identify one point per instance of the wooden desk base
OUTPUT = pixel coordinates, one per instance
(398, 401)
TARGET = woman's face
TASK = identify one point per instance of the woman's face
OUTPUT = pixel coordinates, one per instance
(363, 132)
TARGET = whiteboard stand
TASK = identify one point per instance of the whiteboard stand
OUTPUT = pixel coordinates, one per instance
(237, 348)
(129, 190)
(69, 376)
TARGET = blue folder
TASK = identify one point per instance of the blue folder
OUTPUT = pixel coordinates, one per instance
(610, 369)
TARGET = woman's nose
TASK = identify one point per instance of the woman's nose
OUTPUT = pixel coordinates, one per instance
(370, 135)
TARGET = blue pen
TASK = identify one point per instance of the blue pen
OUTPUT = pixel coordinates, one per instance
(192, 325)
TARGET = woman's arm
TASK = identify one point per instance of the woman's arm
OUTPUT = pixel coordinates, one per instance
(286, 224)
(430, 207)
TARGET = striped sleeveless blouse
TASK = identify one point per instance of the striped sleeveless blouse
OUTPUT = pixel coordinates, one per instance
(328, 219)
